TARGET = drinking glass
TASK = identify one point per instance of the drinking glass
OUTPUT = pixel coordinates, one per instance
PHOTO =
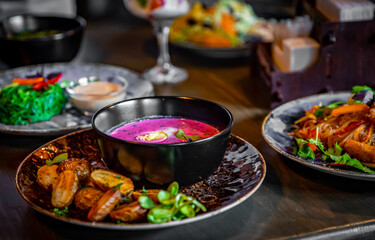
(161, 13)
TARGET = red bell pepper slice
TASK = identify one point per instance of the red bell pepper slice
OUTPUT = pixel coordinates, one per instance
(350, 127)
(44, 84)
(312, 146)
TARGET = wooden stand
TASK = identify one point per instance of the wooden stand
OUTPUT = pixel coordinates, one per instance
(346, 58)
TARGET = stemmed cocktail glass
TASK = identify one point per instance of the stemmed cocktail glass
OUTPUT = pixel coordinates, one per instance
(161, 13)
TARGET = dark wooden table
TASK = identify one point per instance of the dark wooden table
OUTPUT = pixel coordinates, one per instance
(293, 202)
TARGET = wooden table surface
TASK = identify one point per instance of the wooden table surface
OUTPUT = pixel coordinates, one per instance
(293, 202)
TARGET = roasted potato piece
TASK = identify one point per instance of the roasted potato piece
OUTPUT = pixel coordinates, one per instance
(87, 197)
(47, 176)
(361, 151)
(105, 205)
(105, 180)
(129, 212)
(80, 166)
(64, 189)
(151, 193)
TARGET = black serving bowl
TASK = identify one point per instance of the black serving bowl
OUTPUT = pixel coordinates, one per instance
(161, 164)
(61, 45)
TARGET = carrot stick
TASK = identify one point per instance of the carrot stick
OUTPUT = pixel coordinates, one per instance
(215, 41)
(349, 109)
(227, 24)
(27, 81)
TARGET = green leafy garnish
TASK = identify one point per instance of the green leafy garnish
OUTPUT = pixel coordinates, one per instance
(181, 135)
(173, 188)
(303, 149)
(64, 83)
(58, 159)
(323, 111)
(173, 205)
(334, 154)
(146, 202)
(317, 141)
(353, 162)
(61, 212)
(23, 105)
(356, 89)
(117, 187)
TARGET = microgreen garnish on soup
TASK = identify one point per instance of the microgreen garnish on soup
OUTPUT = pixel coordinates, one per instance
(189, 138)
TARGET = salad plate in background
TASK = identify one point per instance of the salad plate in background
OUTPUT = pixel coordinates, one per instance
(71, 119)
(224, 29)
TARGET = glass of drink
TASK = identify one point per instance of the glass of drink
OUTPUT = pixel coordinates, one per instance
(161, 13)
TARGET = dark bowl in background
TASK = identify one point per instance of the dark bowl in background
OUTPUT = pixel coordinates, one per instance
(161, 164)
(60, 47)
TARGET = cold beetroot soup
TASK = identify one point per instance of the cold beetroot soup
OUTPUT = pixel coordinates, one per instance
(164, 131)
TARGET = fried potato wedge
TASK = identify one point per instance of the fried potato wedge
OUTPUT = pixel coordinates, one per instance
(105, 180)
(360, 150)
(151, 193)
(80, 166)
(87, 197)
(104, 205)
(131, 212)
(47, 176)
(64, 189)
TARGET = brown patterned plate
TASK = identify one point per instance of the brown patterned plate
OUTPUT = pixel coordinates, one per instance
(240, 174)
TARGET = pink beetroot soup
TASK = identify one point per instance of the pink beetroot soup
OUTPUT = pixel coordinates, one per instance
(169, 127)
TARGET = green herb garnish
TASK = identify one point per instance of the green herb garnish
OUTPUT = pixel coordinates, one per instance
(323, 111)
(173, 205)
(356, 89)
(58, 159)
(353, 162)
(117, 187)
(303, 149)
(61, 212)
(333, 154)
(181, 135)
(146, 202)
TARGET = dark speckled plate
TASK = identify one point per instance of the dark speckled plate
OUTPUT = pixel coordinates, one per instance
(70, 119)
(216, 52)
(278, 123)
(240, 174)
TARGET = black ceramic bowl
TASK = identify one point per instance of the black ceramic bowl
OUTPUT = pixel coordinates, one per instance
(61, 44)
(161, 164)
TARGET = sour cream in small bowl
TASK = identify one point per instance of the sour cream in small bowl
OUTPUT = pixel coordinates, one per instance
(89, 94)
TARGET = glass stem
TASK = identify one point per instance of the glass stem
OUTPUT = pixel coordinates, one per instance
(162, 33)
